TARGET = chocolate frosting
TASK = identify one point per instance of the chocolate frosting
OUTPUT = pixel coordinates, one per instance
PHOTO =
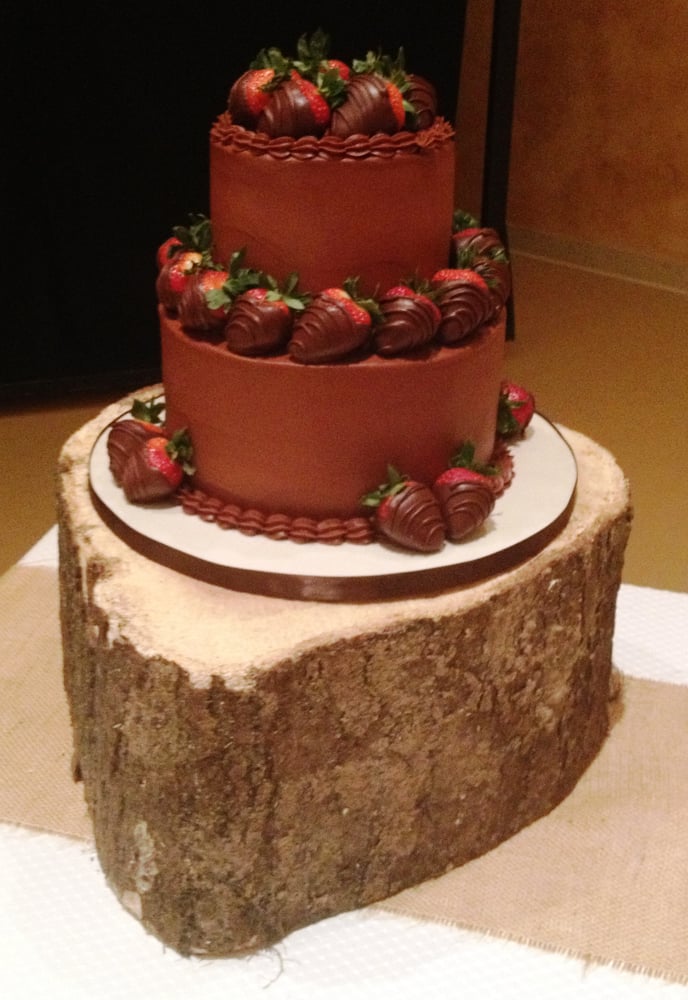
(325, 332)
(257, 327)
(278, 526)
(465, 507)
(288, 113)
(366, 110)
(408, 323)
(413, 519)
(465, 306)
(329, 430)
(288, 202)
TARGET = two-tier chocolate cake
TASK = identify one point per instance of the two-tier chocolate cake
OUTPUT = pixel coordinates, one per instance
(270, 732)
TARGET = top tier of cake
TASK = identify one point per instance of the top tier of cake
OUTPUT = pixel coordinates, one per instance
(332, 170)
(379, 208)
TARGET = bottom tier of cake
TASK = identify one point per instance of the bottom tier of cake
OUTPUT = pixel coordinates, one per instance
(253, 764)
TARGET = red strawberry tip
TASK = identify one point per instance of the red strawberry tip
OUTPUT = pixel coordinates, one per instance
(363, 311)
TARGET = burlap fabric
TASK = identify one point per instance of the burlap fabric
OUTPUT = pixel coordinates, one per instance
(603, 877)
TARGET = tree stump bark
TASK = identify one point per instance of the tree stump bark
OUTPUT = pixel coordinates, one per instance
(252, 765)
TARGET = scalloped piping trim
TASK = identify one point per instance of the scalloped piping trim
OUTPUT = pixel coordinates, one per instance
(355, 147)
(329, 531)
(249, 521)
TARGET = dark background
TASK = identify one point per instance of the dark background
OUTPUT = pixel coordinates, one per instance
(107, 109)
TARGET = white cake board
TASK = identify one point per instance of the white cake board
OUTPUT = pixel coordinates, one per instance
(525, 518)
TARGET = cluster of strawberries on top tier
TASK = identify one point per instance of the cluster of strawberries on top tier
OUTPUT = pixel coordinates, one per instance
(258, 316)
(312, 94)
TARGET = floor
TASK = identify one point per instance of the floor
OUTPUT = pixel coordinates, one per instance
(603, 355)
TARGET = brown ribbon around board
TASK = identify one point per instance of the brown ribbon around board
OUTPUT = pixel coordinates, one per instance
(603, 877)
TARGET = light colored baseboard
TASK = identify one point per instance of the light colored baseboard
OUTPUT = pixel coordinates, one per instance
(635, 267)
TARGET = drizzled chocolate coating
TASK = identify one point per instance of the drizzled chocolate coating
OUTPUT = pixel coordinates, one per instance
(408, 323)
(497, 274)
(366, 110)
(413, 519)
(166, 296)
(141, 482)
(325, 332)
(257, 327)
(465, 306)
(194, 312)
(237, 104)
(289, 113)
(475, 242)
(423, 96)
(465, 507)
(125, 437)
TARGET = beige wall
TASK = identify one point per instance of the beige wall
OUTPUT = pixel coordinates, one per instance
(600, 135)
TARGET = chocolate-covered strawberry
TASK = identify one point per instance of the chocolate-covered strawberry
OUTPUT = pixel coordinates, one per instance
(464, 458)
(515, 410)
(409, 320)
(187, 251)
(210, 292)
(155, 469)
(249, 96)
(407, 513)
(476, 241)
(252, 92)
(261, 319)
(167, 250)
(466, 498)
(196, 236)
(464, 301)
(195, 309)
(422, 97)
(376, 98)
(126, 436)
(482, 250)
(297, 107)
(335, 324)
(174, 277)
(503, 461)
(497, 274)
(373, 104)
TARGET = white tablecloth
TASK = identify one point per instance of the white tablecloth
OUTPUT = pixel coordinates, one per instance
(64, 935)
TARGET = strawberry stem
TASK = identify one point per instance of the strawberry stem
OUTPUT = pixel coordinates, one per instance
(147, 411)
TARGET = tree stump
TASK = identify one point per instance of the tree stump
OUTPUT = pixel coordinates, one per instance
(252, 764)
